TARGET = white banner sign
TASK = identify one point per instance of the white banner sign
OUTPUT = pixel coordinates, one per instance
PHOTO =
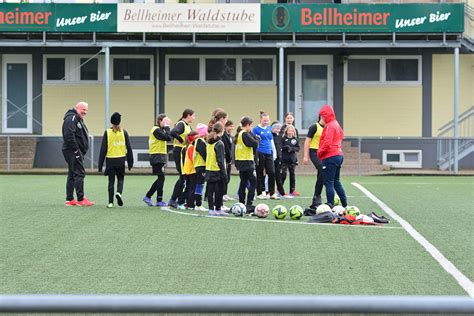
(188, 18)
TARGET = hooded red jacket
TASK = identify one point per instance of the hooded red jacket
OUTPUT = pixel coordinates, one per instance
(331, 138)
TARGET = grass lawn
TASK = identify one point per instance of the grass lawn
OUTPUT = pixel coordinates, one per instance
(49, 248)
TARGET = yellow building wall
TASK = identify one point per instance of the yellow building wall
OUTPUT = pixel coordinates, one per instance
(443, 88)
(237, 101)
(382, 111)
(135, 103)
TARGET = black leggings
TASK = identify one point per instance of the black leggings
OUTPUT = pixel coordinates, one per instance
(200, 180)
(120, 180)
(215, 192)
(291, 168)
(278, 177)
(190, 189)
(265, 162)
(179, 185)
(157, 187)
(247, 177)
(318, 187)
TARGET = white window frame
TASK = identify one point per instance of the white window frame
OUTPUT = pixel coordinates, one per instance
(72, 71)
(18, 59)
(202, 71)
(383, 76)
(132, 82)
(402, 163)
(67, 78)
(139, 163)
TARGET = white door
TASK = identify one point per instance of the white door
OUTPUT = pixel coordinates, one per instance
(310, 87)
(17, 84)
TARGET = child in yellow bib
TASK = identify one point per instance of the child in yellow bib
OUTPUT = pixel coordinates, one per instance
(114, 150)
(189, 173)
(216, 175)
(158, 150)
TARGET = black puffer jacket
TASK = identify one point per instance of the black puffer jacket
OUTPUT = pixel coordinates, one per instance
(75, 133)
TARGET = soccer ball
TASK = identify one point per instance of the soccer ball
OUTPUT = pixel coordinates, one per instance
(323, 208)
(338, 210)
(353, 210)
(279, 212)
(296, 212)
(238, 209)
(337, 200)
(262, 210)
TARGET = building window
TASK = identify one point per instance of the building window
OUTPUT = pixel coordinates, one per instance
(89, 69)
(384, 70)
(257, 69)
(402, 69)
(133, 69)
(220, 69)
(410, 158)
(184, 69)
(55, 68)
(363, 70)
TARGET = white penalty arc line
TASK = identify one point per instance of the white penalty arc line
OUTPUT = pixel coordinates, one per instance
(275, 221)
(447, 265)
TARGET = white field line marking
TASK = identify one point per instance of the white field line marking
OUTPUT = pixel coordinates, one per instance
(423, 183)
(447, 265)
(231, 217)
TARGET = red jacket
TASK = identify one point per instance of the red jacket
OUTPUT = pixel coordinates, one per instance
(331, 138)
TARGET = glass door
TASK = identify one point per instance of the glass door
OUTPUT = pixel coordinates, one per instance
(312, 88)
(17, 94)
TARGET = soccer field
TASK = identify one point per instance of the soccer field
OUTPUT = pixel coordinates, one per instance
(49, 248)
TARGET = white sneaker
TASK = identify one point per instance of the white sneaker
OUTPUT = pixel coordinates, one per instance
(228, 198)
(200, 208)
(263, 196)
(275, 197)
(225, 208)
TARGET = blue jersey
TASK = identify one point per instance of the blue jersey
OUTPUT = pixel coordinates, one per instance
(266, 137)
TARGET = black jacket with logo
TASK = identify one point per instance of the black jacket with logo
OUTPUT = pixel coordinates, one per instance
(75, 133)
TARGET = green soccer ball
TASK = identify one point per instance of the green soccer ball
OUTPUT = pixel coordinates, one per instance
(296, 212)
(353, 210)
(279, 212)
(337, 200)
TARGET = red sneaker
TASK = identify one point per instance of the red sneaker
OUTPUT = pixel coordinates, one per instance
(85, 202)
(295, 193)
(71, 203)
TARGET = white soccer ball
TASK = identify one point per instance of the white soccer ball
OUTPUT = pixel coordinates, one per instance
(238, 209)
(262, 210)
(323, 208)
(338, 210)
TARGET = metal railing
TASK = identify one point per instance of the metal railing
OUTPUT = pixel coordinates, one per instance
(235, 304)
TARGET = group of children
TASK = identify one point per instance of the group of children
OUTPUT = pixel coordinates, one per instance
(263, 155)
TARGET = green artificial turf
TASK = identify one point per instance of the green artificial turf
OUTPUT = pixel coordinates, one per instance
(49, 248)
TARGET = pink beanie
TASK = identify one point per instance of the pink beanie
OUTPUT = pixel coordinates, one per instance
(201, 129)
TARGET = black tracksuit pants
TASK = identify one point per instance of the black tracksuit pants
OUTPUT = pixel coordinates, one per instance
(215, 193)
(75, 175)
(112, 173)
(318, 187)
(247, 176)
(265, 162)
(179, 185)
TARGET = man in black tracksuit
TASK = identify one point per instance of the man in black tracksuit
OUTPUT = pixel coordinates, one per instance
(75, 146)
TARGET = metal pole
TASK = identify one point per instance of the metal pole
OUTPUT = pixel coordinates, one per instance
(107, 85)
(359, 149)
(281, 85)
(456, 101)
(92, 151)
(8, 152)
(235, 304)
